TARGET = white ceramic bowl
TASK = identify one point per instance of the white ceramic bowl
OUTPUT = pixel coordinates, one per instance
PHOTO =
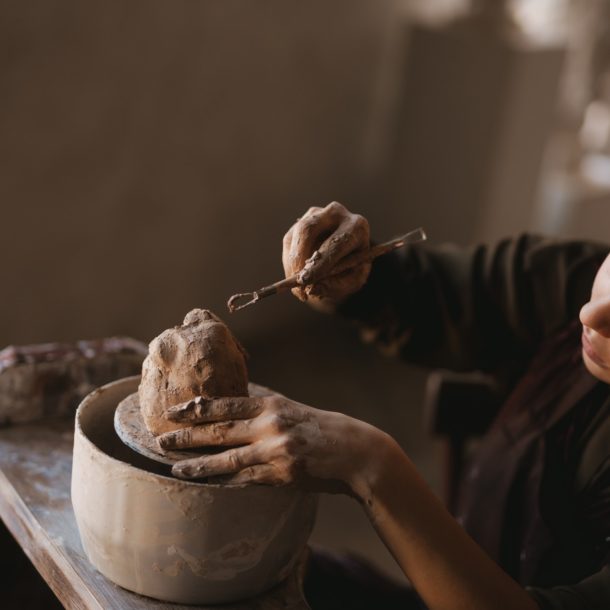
(174, 540)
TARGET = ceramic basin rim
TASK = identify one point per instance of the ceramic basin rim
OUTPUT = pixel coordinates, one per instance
(103, 455)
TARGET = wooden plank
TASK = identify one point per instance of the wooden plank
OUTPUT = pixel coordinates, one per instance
(35, 472)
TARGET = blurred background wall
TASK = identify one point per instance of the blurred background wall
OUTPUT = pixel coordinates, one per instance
(153, 153)
(156, 152)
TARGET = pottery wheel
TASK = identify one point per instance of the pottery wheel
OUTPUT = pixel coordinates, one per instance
(132, 430)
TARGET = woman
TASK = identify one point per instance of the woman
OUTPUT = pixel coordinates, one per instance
(533, 520)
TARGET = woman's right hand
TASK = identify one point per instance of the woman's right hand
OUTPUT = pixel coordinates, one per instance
(316, 243)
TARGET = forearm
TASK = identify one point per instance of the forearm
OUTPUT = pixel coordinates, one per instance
(446, 567)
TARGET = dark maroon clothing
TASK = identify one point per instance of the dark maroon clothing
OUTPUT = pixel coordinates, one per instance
(537, 494)
(528, 498)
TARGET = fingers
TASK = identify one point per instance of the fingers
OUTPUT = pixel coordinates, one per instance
(262, 474)
(288, 238)
(350, 236)
(320, 240)
(338, 286)
(227, 462)
(233, 432)
(202, 410)
(309, 233)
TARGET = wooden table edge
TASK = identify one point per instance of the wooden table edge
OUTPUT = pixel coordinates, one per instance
(44, 553)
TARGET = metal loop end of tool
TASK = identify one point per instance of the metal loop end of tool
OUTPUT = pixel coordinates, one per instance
(232, 302)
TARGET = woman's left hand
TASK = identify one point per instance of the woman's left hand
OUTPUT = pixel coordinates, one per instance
(271, 440)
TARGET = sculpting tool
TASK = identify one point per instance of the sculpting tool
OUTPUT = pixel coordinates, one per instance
(349, 262)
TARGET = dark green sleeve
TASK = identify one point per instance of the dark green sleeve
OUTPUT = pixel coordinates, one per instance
(593, 593)
(473, 308)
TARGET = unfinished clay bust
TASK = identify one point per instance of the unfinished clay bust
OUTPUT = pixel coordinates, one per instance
(199, 358)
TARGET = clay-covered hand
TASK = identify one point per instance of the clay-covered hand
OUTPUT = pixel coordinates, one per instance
(316, 243)
(271, 440)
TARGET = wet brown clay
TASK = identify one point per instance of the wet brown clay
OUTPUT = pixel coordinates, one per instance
(199, 358)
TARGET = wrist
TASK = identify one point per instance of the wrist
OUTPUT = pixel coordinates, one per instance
(378, 452)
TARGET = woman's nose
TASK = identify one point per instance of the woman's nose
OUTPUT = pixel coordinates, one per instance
(596, 315)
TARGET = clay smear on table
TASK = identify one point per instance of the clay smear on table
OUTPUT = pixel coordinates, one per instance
(199, 358)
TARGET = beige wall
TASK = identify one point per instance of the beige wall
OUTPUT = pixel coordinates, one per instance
(153, 153)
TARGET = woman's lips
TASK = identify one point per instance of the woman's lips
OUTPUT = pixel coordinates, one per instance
(590, 351)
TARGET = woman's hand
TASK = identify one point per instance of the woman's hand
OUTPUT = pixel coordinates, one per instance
(272, 440)
(316, 243)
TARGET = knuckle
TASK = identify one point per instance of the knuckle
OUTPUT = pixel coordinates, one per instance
(219, 407)
(201, 407)
(341, 241)
(360, 222)
(234, 407)
(278, 422)
(194, 468)
(272, 404)
(184, 436)
(335, 206)
(308, 226)
(234, 460)
(218, 432)
(248, 474)
(200, 468)
(288, 445)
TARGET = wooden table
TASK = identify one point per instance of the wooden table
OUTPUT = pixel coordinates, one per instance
(35, 470)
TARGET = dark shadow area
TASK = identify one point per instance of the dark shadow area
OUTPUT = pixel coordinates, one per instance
(20, 583)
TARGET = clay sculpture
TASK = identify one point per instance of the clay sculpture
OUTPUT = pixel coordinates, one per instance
(199, 358)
